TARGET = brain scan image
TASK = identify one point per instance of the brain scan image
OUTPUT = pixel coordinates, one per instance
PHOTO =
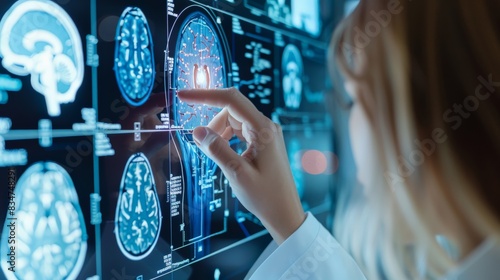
(38, 38)
(134, 61)
(199, 63)
(292, 69)
(51, 239)
(138, 215)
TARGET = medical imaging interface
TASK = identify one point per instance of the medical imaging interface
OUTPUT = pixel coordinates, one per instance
(100, 175)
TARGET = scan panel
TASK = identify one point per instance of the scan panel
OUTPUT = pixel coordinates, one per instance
(300, 97)
(42, 63)
(199, 63)
(134, 57)
(131, 46)
(198, 200)
(51, 237)
(253, 67)
(306, 16)
(138, 215)
(38, 38)
(135, 227)
(49, 211)
(297, 16)
(292, 72)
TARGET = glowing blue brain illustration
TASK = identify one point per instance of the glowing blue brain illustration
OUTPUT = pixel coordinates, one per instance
(199, 64)
(50, 229)
(134, 59)
(38, 37)
(138, 216)
(292, 68)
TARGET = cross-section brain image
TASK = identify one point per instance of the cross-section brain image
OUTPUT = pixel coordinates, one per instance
(292, 69)
(138, 216)
(50, 234)
(134, 57)
(38, 38)
(199, 64)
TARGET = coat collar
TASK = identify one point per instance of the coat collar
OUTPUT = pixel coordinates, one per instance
(483, 263)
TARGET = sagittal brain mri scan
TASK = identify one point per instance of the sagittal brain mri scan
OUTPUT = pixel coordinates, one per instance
(38, 38)
(292, 69)
(51, 234)
(199, 64)
(134, 59)
(138, 216)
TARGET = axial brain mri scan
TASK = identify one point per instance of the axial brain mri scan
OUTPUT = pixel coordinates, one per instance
(51, 234)
(134, 57)
(138, 213)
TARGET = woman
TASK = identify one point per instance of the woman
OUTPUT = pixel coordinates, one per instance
(425, 85)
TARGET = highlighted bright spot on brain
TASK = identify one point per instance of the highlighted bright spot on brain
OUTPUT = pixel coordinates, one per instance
(134, 62)
(199, 64)
(50, 229)
(138, 217)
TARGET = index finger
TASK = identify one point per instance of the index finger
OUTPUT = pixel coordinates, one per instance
(238, 106)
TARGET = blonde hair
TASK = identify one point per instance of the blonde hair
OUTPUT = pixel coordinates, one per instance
(425, 66)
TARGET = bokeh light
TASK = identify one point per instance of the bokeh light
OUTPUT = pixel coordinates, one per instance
(314, 162)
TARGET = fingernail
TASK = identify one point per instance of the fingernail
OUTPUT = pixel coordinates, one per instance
(199, 134)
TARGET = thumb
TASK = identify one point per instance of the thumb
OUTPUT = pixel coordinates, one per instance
(219, 151)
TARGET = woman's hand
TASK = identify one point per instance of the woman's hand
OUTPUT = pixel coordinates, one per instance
(260, 178)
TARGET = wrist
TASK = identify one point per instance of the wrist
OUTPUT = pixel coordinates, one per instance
(284, 226)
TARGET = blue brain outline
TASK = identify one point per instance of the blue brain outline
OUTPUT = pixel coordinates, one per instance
(138, 217)
(134, 57)
(199, 63)
(51, 234)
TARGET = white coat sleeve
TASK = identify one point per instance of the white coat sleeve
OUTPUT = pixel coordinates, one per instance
(311, 252)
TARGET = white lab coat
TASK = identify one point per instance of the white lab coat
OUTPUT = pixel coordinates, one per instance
(311, 252)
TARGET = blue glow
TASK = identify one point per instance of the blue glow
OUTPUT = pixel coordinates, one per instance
(134, 57)
(294, 156)
(8, 84)
(138, 216)
(38, 38)
(278, 10)
(50, 228)
(292, 69)
(306, 16)
(199, 63)
(300, 14)
(350, 5)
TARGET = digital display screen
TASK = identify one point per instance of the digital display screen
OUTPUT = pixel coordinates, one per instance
(99, 175)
